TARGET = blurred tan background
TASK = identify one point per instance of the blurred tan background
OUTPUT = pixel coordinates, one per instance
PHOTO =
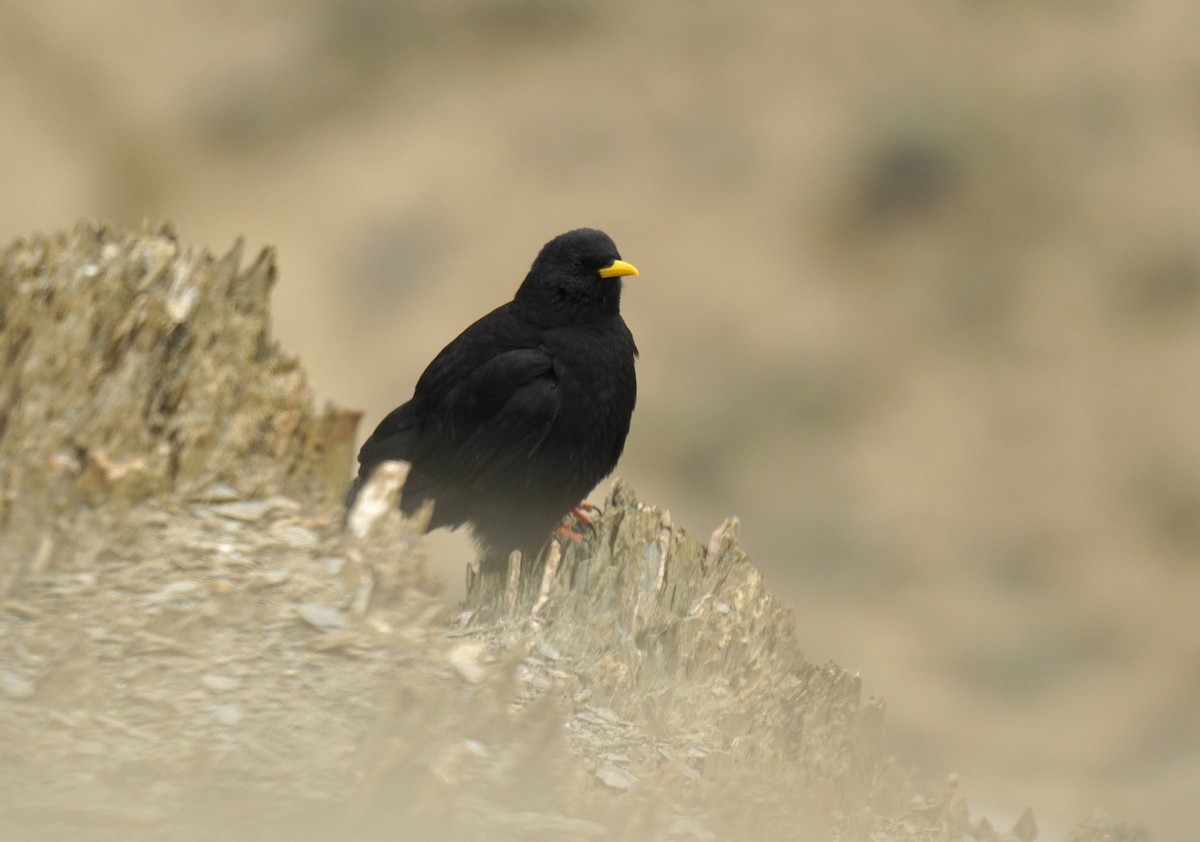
(919, 302)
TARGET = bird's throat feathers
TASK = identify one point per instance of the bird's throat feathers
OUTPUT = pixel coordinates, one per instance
(566, 300)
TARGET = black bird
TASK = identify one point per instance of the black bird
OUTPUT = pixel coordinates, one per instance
(517, 419)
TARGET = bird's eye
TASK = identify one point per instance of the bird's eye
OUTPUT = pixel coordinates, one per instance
(577, 263)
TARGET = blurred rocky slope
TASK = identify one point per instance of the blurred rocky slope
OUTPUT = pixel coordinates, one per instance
(192, 648)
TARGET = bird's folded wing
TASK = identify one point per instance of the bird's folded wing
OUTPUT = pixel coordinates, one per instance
(494, 417)
(469, 427)
(507, 387)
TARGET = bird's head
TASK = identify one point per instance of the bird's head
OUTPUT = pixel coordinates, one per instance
(575, 279)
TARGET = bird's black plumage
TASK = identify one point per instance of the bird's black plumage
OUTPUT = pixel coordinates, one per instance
(518, 418)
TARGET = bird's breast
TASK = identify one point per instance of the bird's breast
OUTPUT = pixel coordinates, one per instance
(594, 373)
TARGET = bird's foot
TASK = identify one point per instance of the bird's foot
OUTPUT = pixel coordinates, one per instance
(583, 515)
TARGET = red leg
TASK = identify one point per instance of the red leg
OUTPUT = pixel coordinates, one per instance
(583, 513)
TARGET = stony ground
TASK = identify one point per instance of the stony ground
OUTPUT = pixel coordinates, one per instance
(214, 669)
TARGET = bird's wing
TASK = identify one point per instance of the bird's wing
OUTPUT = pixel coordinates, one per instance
(499, 415)
(408, 431)
(468, 426)
(472, 434)
(514, 387)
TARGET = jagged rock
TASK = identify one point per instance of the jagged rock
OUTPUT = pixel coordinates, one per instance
(132, 366)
